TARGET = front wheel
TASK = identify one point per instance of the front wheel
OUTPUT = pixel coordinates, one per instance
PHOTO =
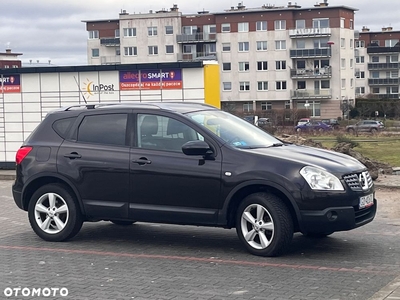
(54, 213)
(264, 224)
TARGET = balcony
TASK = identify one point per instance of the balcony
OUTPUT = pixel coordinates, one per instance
(110, 42)
(387, 96)
(311, 73)
(304, 53)
(309, 32)
(383, 66)
(383, 81)
(196, 38)
(199, 56)
(311, 94)
(110, 60)
(382, 50)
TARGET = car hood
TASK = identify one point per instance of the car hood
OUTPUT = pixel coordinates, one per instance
(334, 162)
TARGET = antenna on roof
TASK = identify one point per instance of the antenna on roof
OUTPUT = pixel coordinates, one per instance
(83, 96)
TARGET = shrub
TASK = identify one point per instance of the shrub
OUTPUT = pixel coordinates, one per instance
(344, 139)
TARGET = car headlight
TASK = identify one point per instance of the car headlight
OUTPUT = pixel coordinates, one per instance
(319, 179)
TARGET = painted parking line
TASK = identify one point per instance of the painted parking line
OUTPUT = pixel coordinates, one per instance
(199, 259)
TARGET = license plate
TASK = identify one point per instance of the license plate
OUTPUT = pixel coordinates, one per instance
(366, 201)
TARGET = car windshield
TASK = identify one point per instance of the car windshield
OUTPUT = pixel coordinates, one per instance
(233, 130)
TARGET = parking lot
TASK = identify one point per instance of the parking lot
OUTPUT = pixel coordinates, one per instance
(157, 261)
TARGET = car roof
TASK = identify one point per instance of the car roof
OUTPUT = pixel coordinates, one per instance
(181, 107)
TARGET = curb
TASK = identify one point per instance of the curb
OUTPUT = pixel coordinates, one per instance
(7, 177)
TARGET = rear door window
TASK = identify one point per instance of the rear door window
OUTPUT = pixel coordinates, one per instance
(108, 129)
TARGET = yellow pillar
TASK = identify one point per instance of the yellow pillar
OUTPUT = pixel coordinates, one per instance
(212, 84)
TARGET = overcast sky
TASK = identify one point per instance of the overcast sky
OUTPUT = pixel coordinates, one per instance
(52, 30)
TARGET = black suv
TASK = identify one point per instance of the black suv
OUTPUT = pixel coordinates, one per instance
(184, 163)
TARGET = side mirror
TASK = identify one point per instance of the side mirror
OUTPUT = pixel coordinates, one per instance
(196, 148)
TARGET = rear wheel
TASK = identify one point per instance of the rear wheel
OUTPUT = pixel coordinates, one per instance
(264, 224)
(351, 130)
(54, 213)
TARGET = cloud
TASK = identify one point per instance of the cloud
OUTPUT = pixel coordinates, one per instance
(49, 30)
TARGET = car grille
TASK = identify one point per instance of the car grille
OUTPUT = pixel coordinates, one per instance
(359, 181)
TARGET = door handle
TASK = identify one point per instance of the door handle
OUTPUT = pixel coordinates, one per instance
(72, 155)
(142, 161)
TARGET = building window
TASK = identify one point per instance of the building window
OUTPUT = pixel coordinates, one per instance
(280, 64)
(169, 29)
(301, 64)
(351, 24)
(300, 24)
(391, 43)
(392, 58)
(392, 90)
(351, 43)
(375, 90)
(360, 90)
(280, 85)
(261, 45)
(360, 44)
(244, 66)
(153, 50)
(360, 74)
(280, 45)
(343, 64)
(226, 47)
(169, 49)
(248, 107)
(227, 86)
(226, 27)
(117, 51)
(342, 42)
(129, 32)
(341, 22)
(152, 31)
(130, 51)
(392, 74)
(95, 52)
(243, 27)
(244, 85)
(262, 65)
(287, 104)
(187, 49)
(375, 74)
(266, 105)
(300, 44)
(280, 25)
(375, 43)
(261, 25)
(375, 59)
(262, 85)
(116, 33)
(359, 59)
(226, 66)
(301, 85)
(243, 46)
(94, 34)
(352, 82)
(343, 83)
(321, 43)
(320, 23)
(325, 84)
(351, 63)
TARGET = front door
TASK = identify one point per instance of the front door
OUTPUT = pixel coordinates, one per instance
(167, 185)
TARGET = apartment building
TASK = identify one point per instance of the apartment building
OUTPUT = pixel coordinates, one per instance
(270, 58)
(377, 63)
(9, 59)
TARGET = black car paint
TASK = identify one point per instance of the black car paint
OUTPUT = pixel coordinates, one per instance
(176, 188)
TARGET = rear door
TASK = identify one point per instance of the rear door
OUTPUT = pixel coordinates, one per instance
(96, 160)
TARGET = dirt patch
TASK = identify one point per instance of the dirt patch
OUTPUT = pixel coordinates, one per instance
(388, 203)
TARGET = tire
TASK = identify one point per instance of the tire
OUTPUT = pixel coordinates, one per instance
(374, 130)
(270, 235)
(351, 131)
(54, 214)
(122, 223)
